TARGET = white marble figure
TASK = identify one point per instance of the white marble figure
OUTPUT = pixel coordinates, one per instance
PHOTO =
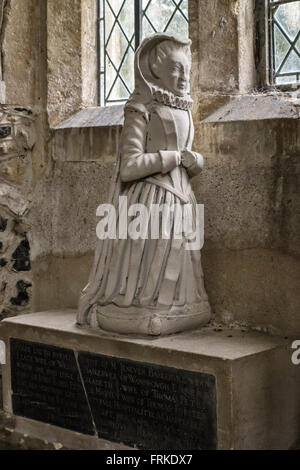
(146, 286)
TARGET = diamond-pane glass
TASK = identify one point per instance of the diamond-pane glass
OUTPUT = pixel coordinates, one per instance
(118, 38)
(288, 15)
(165, 16)
(282, 46)
(285, 54)
(116, 5)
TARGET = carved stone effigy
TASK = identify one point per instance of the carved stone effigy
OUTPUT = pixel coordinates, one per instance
(152, 286)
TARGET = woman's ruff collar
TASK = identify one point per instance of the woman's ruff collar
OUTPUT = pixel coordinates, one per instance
(168, 98)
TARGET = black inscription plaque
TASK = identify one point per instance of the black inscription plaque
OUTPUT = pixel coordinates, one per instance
(46, 386)
(150, 406)
(143, 405)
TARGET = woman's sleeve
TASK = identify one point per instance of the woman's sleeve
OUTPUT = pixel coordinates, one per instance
(135, 163)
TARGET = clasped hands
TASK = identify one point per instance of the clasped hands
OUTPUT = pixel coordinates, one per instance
(190, 159)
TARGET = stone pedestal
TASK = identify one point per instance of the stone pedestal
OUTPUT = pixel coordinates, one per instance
(207, 389)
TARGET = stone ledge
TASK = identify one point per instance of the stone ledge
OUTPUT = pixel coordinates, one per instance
(239, 108)
(255, 107)
(226, 344)
(110, 116)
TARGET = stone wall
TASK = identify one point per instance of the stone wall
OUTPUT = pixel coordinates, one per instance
(23, 144)
(250, 191)
(17, 140)
(71, 56)
(83, 161)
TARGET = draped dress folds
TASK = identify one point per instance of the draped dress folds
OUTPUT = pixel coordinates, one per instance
(133, 278)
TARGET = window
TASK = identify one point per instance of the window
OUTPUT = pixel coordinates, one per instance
(284, 41)
(122, 26)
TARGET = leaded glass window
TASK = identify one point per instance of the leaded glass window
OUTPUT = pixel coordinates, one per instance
(122, 26)
(284, 29)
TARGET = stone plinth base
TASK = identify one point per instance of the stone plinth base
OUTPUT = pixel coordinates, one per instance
(207, 389)
(150, 323)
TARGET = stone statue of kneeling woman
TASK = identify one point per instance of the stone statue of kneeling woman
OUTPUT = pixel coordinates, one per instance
(152, 285)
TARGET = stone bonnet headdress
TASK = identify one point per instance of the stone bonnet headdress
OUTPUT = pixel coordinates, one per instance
(145, 89)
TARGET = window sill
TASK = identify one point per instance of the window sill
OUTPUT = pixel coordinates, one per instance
(256, 107)
(110, 116)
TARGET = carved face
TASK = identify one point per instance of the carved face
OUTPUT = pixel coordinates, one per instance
(174, 72)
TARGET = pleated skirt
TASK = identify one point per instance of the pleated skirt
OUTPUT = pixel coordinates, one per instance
(148, 274)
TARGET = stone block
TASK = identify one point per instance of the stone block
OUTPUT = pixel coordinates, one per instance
(236, 389)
